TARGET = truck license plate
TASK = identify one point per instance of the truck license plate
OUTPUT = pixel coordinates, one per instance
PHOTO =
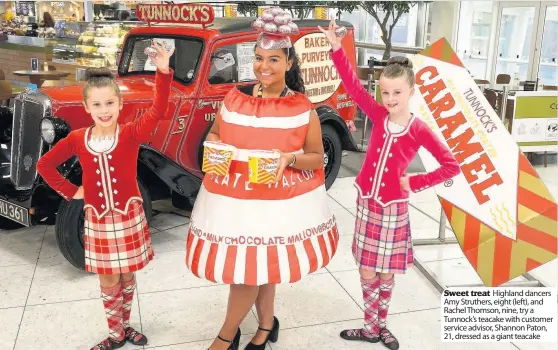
(14, 212)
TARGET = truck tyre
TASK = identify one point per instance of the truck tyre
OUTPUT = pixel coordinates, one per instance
(332, 154)
(70, 227)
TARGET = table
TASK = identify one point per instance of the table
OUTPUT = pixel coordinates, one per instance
(38, 78)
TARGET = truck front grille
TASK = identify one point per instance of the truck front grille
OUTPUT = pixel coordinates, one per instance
(27, 143)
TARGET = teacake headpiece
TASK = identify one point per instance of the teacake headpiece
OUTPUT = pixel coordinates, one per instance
(275, 25)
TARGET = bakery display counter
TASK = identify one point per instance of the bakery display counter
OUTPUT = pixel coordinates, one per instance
(97, 46)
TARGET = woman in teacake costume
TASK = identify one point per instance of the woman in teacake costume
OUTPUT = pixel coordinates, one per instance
(116, 236)
(254, 236)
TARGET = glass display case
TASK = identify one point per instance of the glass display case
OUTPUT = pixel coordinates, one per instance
(95, 44)
(71, 30)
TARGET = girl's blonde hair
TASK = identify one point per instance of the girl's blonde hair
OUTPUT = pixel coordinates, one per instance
(99, 78)
(399, 66)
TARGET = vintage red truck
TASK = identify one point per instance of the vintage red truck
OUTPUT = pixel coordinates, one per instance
(209, 60)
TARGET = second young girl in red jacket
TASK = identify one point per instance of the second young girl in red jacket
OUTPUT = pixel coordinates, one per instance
(116, 236)
(382, 243)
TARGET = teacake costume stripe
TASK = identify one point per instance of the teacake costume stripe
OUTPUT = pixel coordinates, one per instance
(276, 124)
(246, 233)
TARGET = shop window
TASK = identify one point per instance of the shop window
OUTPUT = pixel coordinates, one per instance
(548, 64)
(404, 32)
(473, 39)
(354, 19)
(232, 64)
(514, 41)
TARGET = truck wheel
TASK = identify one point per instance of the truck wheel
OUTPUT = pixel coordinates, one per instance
(70, 227)
(332, 154)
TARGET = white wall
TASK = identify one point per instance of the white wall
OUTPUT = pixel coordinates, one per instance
(444, 20)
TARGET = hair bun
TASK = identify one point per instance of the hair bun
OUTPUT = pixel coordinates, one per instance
(404, 61)
(92, 73)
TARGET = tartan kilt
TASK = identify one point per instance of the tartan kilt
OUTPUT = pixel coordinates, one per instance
(117, 243)
(382, 239)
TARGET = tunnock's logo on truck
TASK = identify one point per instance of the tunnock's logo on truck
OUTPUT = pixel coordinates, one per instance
(320, 76)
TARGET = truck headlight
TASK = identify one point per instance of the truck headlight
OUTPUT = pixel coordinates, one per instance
(53, 129)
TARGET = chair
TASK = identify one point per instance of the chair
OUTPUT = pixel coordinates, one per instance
(5, 93)
(482, 83)
(362, 72)
(503, 79)
(528, 85)
(492, 98)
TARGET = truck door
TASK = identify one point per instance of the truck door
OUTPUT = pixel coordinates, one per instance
(231, 64)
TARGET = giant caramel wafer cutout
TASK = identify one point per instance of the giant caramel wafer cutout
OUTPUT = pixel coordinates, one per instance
(503, 215)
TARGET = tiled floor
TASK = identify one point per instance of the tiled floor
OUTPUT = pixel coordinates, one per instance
(47, 304)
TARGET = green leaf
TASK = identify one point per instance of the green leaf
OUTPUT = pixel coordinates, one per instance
(300, 9)
(387, 14)
(343, 6)
(249, 8)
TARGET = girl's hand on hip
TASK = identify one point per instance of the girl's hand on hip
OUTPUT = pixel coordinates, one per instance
(162, 59)
(79, 193)
(404, 182)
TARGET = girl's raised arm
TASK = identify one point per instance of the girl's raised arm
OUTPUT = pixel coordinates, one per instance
(144, 125)
(363, 99)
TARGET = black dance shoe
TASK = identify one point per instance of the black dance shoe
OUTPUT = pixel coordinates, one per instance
(272, 336)
(235, 343)
(135, 337)
(358, 335)
(109, 344)
(388, 339)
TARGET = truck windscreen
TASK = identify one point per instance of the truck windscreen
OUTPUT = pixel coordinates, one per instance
(184, 61)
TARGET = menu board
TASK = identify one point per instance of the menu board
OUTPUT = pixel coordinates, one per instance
(139, 58)
(535, 121)
(25, 8)
(245, 57)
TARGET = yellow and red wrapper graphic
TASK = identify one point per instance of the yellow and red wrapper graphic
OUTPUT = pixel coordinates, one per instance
(262, 167)
(217, 158)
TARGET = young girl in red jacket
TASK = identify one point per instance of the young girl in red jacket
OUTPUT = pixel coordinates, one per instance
(382, 243)
(116, 237)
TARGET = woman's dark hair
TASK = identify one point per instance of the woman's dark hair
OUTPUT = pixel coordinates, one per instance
(293, 77)
(99, 78)
(49, 21)
(124, 15)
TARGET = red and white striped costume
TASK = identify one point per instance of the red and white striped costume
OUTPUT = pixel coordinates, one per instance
(243, 233)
